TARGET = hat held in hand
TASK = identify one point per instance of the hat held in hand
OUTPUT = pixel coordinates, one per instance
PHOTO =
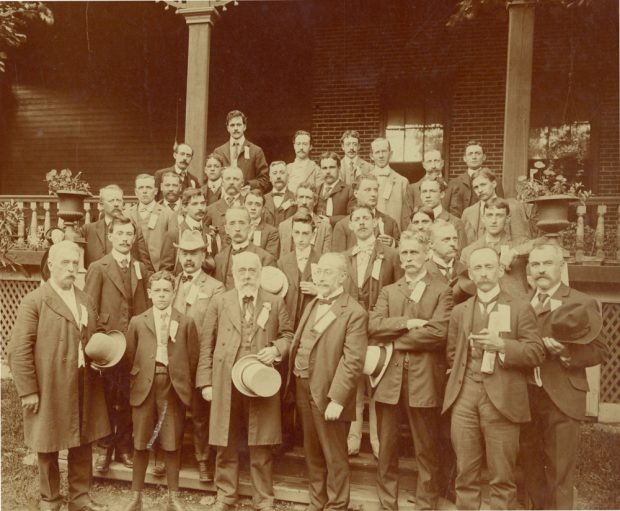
(575, 323)
(255, 379)
(274, 281)
(106, 350)
(376, 362)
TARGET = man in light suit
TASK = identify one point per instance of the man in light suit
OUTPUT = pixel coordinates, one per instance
(433, 167)
(242, 321)
(262, 234)
(370, 266)
(280, 201)
(492, 340)
(62, 397)
(557, 390)
(306, 198)
(392, 186)
(238, 229)
(352, 165)
(413, 313)
(151, 218)
(96, 233)
(303, 169)
(182, 154)
(335, 197)
(366, 192)
(326, 362)
(193, 292)
(232, 185)
(239, 152)
(484, 183)
(117, 284)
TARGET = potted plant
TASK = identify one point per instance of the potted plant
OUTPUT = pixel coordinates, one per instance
(551, 194)
(71, 192)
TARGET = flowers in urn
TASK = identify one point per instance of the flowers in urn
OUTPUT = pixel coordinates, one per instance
(548, 185)
(65, 181)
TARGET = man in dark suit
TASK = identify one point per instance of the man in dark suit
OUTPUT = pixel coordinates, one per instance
(444, 263)
(170, 188)
(326, 362)
(557, 390)
(96, 233)
(492, 340)
(232, 184)
(62, 397)
(182, 154)
(366, 192)
(117, 284)
(370, 266)
(238, 229)
(245, 320)
(413, 314)
(238, 152)
(262, 234)
(460, 193)
(433, 167)
(212, 189)
(280, 201)
(335, 197)
(194, 207)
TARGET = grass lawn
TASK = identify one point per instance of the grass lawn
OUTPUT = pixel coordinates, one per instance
(598, 488)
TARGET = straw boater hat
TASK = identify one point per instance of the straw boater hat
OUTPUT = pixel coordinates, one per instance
(376, 362)
(575, 323)
(255, 379)
(106, 350)
(190, 241)
(274, 281)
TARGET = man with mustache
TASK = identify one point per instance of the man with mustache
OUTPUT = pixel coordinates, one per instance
(194, 207)
(262, 234)
(117, 285)
(493, 342)
(96, 233)
(280, 201)
(182, 154)
(352, 165)
(245, 320)
(335, 197)
(239, 152)
(433, 168)
(557, 389)
(303, 169)
(61, 395)
(232, 196)
(413, 314)
(171, 191)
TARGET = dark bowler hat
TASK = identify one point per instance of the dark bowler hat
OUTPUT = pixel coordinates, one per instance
(574, 323)
(106, 350)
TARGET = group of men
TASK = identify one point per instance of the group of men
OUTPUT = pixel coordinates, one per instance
(479, 340)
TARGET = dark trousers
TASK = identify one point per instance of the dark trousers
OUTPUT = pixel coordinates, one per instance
(325, 448)
(478, 427)
(80, 474)
(116, 388)
(424, 427)
(200, 421)
(227, 461)
(549, 446)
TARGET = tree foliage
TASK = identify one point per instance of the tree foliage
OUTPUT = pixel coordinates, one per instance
(14, 19)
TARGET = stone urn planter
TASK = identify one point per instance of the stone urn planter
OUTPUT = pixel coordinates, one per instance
(552, 212)
(71, 210)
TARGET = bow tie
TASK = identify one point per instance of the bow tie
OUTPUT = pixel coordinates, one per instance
(327, 301)
(248, 299)
(186, 278)
(278, 194)
(236, 251)
(362, 250)
(144, 209)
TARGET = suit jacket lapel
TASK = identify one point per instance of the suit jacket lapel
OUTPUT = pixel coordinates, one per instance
(149, 321)
(134, 276)
(234, 310)
(56, 303)
(114, 271)
(376, 251)
(101, 234)
(468, 316)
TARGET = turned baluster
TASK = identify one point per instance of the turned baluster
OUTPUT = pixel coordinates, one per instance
(47, 221)
(21, 224)
(33, 231)
(61, 222)
(600, 231)
(580, 234)
(618, 235)
(86, 212)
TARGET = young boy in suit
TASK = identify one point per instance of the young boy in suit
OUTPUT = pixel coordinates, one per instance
(162, 351)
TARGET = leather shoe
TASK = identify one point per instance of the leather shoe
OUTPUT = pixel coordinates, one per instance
(174, 503)
(221, 506)
(94, 506)
(135, 503)
(102, 463)
(159, 468)
(125, 459)
(205, 471)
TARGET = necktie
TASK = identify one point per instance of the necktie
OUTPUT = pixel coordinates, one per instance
(236, 251)
(362, 250)
(124, 264)
(171, 206)
(229, 201)
(248, 307)
(163, 329)
(540, 306)
(186, 278)
(278, 194)
(235, 151)
(352, 171)
(326, 301)
(326, 192)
